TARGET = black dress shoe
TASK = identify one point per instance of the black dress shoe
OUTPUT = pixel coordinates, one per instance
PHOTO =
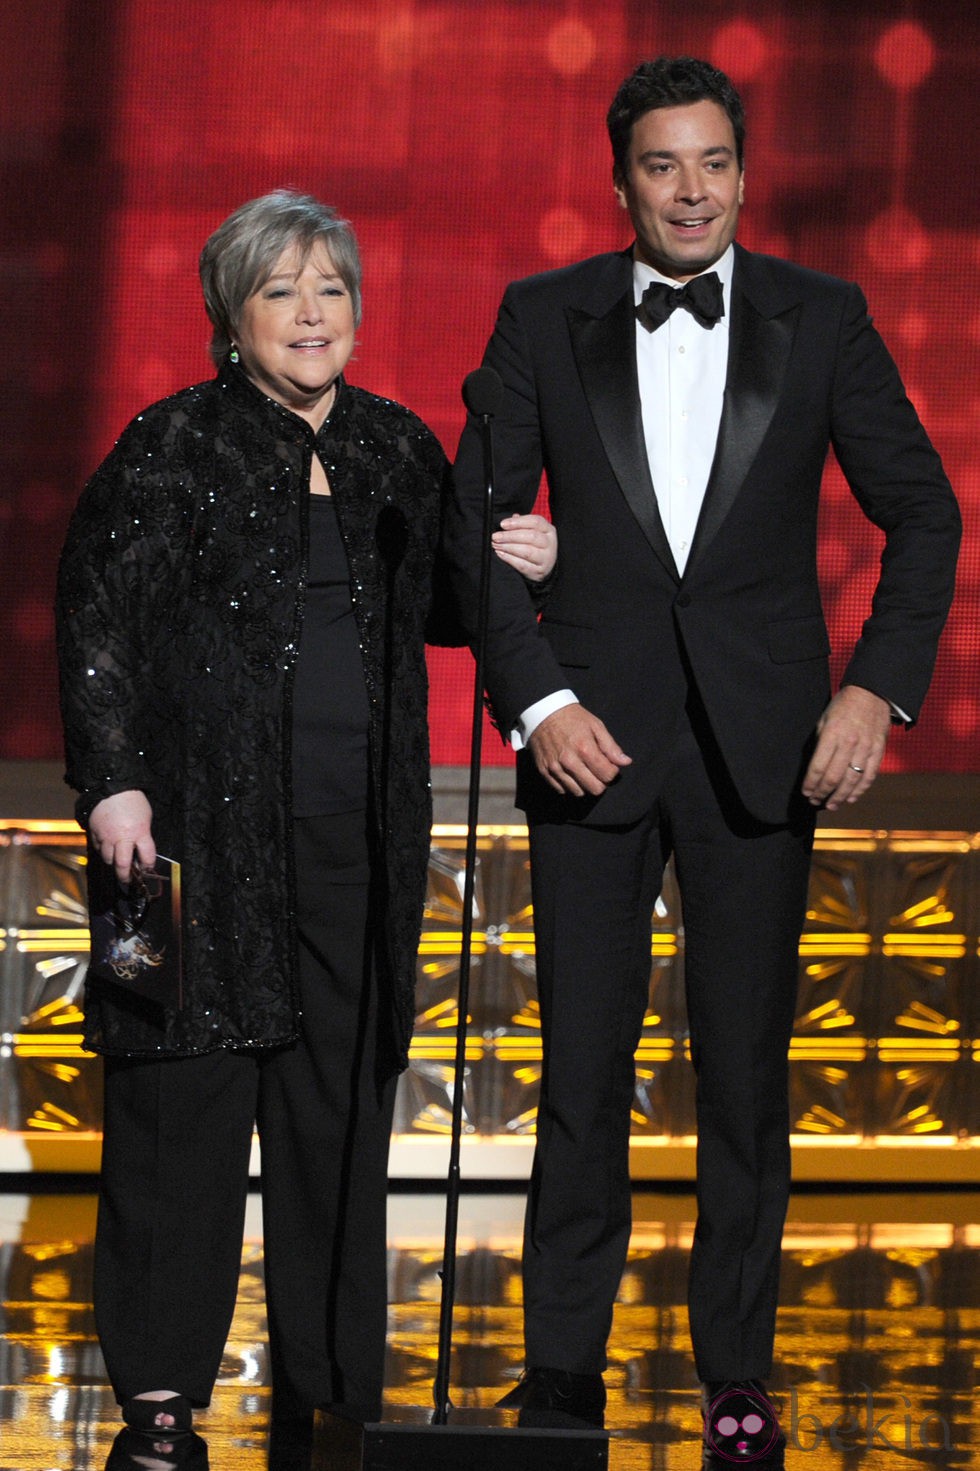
(555, 1399)
(740, 1424)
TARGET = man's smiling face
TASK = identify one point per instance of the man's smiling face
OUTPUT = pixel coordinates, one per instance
(683, 188)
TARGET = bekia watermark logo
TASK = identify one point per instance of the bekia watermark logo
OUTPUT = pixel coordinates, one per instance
(868, 1425)
(740, 1426)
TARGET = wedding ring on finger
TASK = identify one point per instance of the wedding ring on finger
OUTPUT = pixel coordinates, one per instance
(858, 769)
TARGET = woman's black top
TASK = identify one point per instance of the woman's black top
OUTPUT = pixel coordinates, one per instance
(181, 613)
(330, 704)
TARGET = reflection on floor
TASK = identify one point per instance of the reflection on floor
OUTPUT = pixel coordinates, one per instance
(879, 1331)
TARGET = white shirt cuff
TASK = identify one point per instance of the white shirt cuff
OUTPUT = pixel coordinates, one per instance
(529, 720)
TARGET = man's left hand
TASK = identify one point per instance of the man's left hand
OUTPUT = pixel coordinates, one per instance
(851, 740)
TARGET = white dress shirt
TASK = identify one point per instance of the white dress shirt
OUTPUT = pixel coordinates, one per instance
(681, 368)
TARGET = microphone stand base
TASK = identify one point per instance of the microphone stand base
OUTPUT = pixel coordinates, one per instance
(473, 1440)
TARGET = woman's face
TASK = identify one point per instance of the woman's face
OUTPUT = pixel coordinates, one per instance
(296, 332)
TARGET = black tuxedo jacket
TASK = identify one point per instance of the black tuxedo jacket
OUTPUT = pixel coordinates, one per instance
(806, 371)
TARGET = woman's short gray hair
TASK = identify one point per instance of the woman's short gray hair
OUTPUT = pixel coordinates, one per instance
(239, 257)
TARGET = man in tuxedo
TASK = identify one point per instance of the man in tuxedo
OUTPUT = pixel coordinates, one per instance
(674, 700)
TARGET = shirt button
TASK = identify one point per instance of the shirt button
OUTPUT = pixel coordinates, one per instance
(682, 349)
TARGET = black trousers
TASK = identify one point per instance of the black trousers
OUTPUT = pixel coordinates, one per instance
(177, 1135)
(743, 891)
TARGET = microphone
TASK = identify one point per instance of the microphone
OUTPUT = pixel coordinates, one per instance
(482, 392)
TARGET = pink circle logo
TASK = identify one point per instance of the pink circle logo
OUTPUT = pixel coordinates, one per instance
(740, 1425)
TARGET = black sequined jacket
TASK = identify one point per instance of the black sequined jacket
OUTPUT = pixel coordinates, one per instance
(179, 614)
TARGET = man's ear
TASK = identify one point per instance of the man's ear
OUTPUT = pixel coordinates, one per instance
(619, 184)
(741, 189)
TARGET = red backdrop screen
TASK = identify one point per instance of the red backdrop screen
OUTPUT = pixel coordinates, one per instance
(466, 142)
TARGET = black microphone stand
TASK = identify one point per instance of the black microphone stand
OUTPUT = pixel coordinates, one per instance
(482, 391)
(455, 1440)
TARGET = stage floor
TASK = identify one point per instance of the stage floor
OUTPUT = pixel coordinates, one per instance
(879, 1332)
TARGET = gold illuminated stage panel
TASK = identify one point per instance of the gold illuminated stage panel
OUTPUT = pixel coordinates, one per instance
(878, 1332)
(884, 1058)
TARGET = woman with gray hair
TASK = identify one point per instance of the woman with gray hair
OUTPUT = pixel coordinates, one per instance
(244, 596)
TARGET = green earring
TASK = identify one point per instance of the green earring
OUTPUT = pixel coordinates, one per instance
(233, 355)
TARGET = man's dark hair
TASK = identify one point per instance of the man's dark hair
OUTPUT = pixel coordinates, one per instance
(670, 81)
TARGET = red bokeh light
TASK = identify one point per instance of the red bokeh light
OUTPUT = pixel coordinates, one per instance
(905, 55)
(741, 49)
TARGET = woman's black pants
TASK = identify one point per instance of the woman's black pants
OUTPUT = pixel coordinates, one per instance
(177, 1135)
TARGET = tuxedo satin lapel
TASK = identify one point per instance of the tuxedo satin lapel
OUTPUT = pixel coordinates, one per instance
(606, 356)
(758, 354)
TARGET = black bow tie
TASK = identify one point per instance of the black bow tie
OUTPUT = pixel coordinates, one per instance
(702, 297)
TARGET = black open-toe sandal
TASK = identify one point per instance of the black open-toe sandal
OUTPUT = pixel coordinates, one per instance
(140, 1414)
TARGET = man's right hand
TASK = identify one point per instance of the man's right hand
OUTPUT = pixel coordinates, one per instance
(120, 830)
(575, 753)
